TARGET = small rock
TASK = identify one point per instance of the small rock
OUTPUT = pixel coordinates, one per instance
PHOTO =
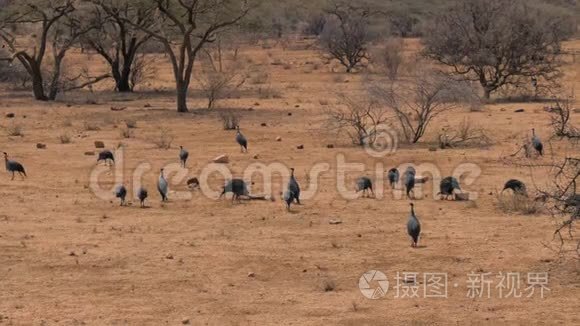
(289, 114)
(296, 106)
(169, 256)
(256, 157)
(278, 138)
(502, 109)
(90, 153)
(330, 146)
(41, 146)
(99, 144)
(519, 110)
(10, 115)
(335, 222)
(432, 149)
(72, 254)
(185, 321)
(251, 274)
(300, 147)
(223, 159)
(264, 124)
(147, 105)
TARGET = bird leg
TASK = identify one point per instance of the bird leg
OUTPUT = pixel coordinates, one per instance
(12, 175)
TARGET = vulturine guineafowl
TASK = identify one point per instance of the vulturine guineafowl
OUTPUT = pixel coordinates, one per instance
(121, 193)
(292, 192)
(409, 179)
(142, 194)
(516, 186)
(13, 167)
(364, 184)
(242, 141)
(106, 156)
(447, 187)
(393, 176)
(183, 155)
(162, 186)
(413, 227)
(237, 187)
(537, 143)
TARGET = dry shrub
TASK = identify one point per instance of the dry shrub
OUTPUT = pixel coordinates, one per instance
(269, 92)
(464, 135)
(126, 132)
(390, 58)
(328, 285)
(15, 129)
(164, 139)
(131, 123)
(229, 119)
(516, 203)
(260, 78)
(64, 138)
(91, 126)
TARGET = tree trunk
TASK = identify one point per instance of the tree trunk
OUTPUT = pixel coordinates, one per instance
(487, 93)
(182, 98)
(38, 86)
(123, 82)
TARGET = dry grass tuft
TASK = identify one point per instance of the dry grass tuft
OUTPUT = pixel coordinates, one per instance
(164, 139)
(515, 203)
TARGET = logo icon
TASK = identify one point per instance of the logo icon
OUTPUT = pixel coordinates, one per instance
(373, 284)
(385, 142)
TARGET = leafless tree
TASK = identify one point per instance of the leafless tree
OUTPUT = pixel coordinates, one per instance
(390, 57)
(360, 120)
(346, 34)
(184, 27)
(57, 30)
(117, 41)
(221, 72)
(417, 102)
(497, 43)
(560, 117)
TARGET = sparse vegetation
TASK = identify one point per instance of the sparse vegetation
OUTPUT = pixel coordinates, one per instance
(163, 139)
(230, 120)
(518, 204)
(15, 129)
(64, 138)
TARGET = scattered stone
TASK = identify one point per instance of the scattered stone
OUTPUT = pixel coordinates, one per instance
(296, 106)
(147, 105)
(264, 124)
(99, 144)
(24, 117)
(169, 256)
(256, 104)
(300, 147)
(10, 115)
(90, 153)
(330, 146)
(256, 157)
(335, 222)
(289, 114)
(41, 146)
(432, 149)
(519, 110)
(278, 138)
(68, 105)
(502, 109)
(251, 274)
(72, 254)
(185, 321)
(115, 108)
(223, 159)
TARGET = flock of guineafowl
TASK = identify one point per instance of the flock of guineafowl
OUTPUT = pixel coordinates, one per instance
(238, 187)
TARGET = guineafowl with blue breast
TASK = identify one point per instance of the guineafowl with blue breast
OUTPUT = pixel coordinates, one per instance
(447, 187)
(409, 179)
(414, 227)
(365, 185)
(13, 167)
(237, 187)
(242, 141)
(537, 143)
(121, 193)
(183, 156)
(162, 186)
(142, 194)
(393, 176)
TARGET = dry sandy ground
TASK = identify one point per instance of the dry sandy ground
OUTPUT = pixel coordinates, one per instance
(69, 257)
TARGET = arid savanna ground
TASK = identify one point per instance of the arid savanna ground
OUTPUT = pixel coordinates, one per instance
(68, 256)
